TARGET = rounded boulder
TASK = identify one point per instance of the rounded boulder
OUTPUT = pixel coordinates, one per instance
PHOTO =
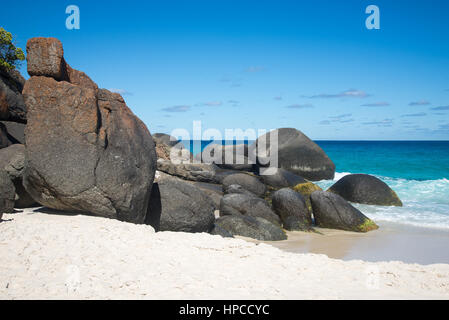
(291, 207)
(176, 205)
(247, 181)
(366, 189)
(332, 211)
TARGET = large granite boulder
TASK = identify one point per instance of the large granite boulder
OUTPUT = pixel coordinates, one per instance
(86, 151)
(12, 105)
(242, 204)
(332, 211)
(12, 160)
(282, 179)
(7, 193)
(296, 153)
(251, 227)
(291, 207)
(176, 205)
(201, 172)
(248, 182)
(367, 189)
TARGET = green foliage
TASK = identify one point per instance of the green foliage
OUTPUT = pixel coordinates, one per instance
(10, 56)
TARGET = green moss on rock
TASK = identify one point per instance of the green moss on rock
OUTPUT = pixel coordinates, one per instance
(306, 189)
(368, 225)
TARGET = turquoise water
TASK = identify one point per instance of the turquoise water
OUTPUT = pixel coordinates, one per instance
(417, 170)
(412, 160)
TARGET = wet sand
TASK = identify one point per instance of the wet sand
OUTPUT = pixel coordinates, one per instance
(391, 242)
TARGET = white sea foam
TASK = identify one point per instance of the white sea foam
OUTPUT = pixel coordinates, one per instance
(339, 175)
(426, 203)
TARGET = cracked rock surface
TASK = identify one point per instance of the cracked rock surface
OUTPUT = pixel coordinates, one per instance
(86, 150)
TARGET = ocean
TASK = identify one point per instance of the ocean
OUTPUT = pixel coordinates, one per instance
(417, 170)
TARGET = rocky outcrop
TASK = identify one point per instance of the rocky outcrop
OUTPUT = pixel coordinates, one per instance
(248, 182)
(297, 154)
(251, 227)
(179, 206)
(12, 105)
(7, 193)
(233, 157)
(189, 171)
(242, 204)
(170, 148)
(236, 188)
(12, 160)
(306, 189)
(86, 151)
(214, 191)
(45, 57)
(162, 138)
(282, 179)
(292, 208)
(367, 189)
(332, 211)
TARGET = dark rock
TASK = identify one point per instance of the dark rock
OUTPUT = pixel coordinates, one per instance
(251, 227)
(86, 151)
(179, 206)
(219, 231)
(12, 106)
(233, 157)
(162, 138)
(282, 179)
(7, 193)
(170, 148)
(364, 188)
(242, 204)
(291, 207)
(297, 154)
(221, 174)
(306, 189)
(214, 191)
(12, 160)
(332, 211)
(15, 131)
(236, 188)
(5, 139)
(194, 172)
(248, 182)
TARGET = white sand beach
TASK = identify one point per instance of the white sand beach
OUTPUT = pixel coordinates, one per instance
(46, 255)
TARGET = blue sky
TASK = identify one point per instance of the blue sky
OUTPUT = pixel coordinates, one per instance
(311, 65)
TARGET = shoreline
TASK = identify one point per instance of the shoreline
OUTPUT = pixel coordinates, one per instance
(51, 255)
(391, 242)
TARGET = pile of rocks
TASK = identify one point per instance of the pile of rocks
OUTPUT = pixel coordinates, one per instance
(68, 145)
